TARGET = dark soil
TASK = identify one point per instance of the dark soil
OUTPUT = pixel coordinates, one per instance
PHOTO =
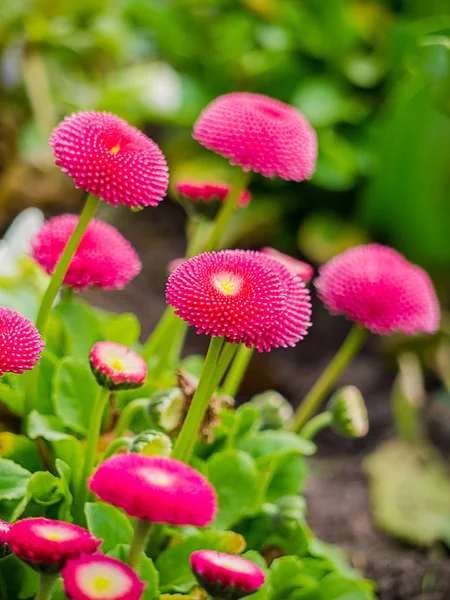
(337, 496)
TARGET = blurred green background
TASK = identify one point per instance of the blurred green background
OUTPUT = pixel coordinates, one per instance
(372, 76)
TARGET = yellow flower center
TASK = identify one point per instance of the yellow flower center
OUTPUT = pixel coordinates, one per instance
(115, 149)
(101, 584)
(116, 364)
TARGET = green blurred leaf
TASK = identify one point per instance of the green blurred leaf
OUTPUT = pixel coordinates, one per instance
(47, 366)
(82, 327)
(13, 480)
(21, 450)
(13, 399)
(124, 329)
(109, 524)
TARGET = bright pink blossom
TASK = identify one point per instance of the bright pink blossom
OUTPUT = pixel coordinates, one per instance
(104, 258)
(241, 295)
(49, 542)
(380, 290)
(155, 488)
(226, 575)
(205, 191)
(109, 158)
(100, 577)
(298, 267)
(4, 531)
(20, 342)
(260, 134)
(117, 367)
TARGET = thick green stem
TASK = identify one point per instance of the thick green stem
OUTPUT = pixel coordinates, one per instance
(158, 333)
(200, 229)
(226, 212)
(312, 401)
(122, 442)
(128, 413)
(237, 371)
(316, 424)
(89, 459)
(47, 584)
(186, 439)
(138, 543)
(87, 214)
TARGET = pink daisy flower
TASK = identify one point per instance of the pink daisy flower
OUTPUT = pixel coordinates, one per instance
(46, 542)
(380, 290)
(110, 159)
(104, 258)
(100, 577)
(259, 134)
(116, 367)
(158, 489)
(4, 531)
(206, 191)
(298, 267)
(226, 575)
(241, 295)
(20, 343)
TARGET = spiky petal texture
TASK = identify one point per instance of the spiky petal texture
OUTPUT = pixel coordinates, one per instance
(20, 342)
(104, 258)
(298, 267)
(109, 158)
(380, 290)
(226, 575)
(205, 191)
(243, 296)
(100, 578)
(259, 134)
(117, 367)
(158, 489)
(48, 542)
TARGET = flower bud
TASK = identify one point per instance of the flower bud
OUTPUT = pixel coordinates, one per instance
(274, 409)
(349, 412)
(289, 514)
(152, 442)
(116, 367)
(166, 408)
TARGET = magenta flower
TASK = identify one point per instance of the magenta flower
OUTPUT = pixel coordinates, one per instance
(225, 575)
(109, 158)
(116, 367)
(100, 577)
(243, 296)
(206, 191)
(259, 134)
(46, 542)
(4, 532)
(298, 267)
(104, 258)
(158, 489)
(20, 343)
(380, 290)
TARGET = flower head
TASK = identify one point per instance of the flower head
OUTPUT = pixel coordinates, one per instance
(158, 489)
(20, 342)
(380, 290)
(298, 267)
(4, 532)
(47, 543)
(104, 258)
(100, 577)
(241, 295)
(206, 191)
(226, 575)
(116, 367)
(260, 134)
(109, 158)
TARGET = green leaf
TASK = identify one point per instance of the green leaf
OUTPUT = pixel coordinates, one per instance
(17, 579)
(13, 480)
(21, 450)
(147, 571)
(65, 473)
(74, 393)
(81, 325)
(124, 329)
(47, 366)
(336, 587)
(109, 524)
(409, 488)
(266, 442)
(13, 399)
(284, 473)
(235, 478)
(47, 427)
(287, 576)
(173, 563)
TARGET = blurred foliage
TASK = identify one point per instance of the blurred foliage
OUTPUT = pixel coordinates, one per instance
(373, 77)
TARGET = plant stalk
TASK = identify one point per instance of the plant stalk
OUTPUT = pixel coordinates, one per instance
(312, 401)
(316, 424)
(47, 584)
(237, 370)
(138, 543)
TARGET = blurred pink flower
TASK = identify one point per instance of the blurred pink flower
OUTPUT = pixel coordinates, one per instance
(206, 191)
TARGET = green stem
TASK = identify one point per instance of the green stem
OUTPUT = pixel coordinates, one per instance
(138, 543)
(226, 356)
(87, 214)
(115, 445)
(199, 228)
(47, 584)
(226, 212)
(237, 371)
(320, 389)
(186, 439)
(158, 334)
(140, 404)
(316, 424)
(89, 459)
